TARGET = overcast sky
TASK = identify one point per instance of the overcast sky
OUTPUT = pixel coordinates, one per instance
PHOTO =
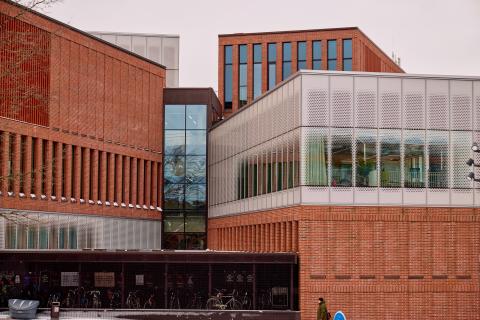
(430, 36)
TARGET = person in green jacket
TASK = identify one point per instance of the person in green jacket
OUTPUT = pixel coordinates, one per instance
(322, 313)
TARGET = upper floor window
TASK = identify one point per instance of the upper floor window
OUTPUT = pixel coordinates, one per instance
(347, 54)
(287, 60)
(272, 65)
(301, 55)
(316, 55)
(228, 77)
(242, 75)
(332, 55)
(257, 70)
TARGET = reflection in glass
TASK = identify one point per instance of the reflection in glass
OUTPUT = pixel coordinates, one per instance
(287, 60)
(195, 223)
(316, 55)
(174, 142)
(228, 77)
(272, 65)
(347, 54)
(174, 117)
(257, 70)
(174, 167)
(414, 159)
(301, 55)
(461, 142)
(174, 241)
(174, 196)
(196, 142)
(332, 54)
(341, 159)
(196, 117)
(195, 241)
(316, 159)
(242, 80)
(195, 196)
(173, 222)
(196, 169)
(366, 158)
(437, 159)
(390, 170)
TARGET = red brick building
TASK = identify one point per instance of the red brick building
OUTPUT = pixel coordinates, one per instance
(363, 55)
(81, 122)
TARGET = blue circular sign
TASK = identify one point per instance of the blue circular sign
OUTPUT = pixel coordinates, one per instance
(339, 316)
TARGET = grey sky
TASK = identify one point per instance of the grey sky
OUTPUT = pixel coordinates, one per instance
(430, 36)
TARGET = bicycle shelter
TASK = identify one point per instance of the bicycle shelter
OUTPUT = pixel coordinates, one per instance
(149, 279)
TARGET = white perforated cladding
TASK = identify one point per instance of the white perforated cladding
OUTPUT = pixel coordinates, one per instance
(341, 101)
(413, 103)
(437, 104)
(476, 101)
(366, 102)
(461, 105)
(390, 109)
(315, 107)
(460, 146)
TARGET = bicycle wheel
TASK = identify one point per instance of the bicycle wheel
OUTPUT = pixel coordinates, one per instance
(235, 305)
(212, 303)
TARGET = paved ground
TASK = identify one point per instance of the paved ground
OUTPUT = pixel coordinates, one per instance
(169, 315)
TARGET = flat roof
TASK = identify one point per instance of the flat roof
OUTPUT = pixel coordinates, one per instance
(285, 31)
(136, 34)
(146, 256)
(89, 35)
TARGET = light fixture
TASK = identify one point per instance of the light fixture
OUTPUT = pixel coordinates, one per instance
(471, 177)
(475, 147)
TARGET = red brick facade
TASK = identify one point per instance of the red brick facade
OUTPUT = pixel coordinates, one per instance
(366, 55)
(371, 262)
(100, 138)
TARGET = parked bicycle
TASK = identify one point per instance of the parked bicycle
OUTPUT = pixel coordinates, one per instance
(224, 301)
(134, 300)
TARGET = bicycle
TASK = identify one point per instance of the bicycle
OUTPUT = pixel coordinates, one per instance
(246, 301)
(217, 301)
(96, 303)
(133, 300)
(173, 301)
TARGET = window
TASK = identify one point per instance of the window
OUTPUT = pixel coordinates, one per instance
(332, 55)
(390, 170)
(414, 159)
(257, 70)
(316, 158)
(341, 158)
(242, 75)
(438, 159)
(347, 54)
(301, 55)
(316, 55)
(366, 158)
(287, 60)
(272, 65)
(228, 77)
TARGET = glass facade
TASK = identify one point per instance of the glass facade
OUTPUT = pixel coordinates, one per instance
(347, 54)
(228, 78)
(286, 60)
(301, 55)
(257, 70)
(68, 231)
(332, 55)
(185, 177)
(242, 75)
(316, 55)
(272, 65)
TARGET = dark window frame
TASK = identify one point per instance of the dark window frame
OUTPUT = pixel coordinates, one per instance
(329, 58)
(314, 58)
(350, 58)
(227, 66)
(304, 60)
(242, 85)
(286, 62)
(271, 47)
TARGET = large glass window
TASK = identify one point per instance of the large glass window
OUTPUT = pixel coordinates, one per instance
(272, 65)
(347, 54)
(301, 55)
(390, 161)
(196, 117)
(332, 55)
(438, 159)
(341, 158)
(228, 77)
(414, 159)
(366, 158)
(287, 60)
(242, 75)
(257, 70)
(317, 55)
(316, 158)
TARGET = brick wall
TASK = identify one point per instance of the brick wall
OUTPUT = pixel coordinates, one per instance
(370, 262)
(366, 55)
(101, 137)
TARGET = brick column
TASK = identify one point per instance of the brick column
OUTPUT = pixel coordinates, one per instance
(141, 182)
(111, 177)
(148, 182)
(16, 163)
(133, 178)
(340, 54)
(46, 166)
(58, 169)
(4, 149)
(126, 192)
(86, 173)
(264, 67)
(27, 165)
(102, 185)
(94, 163)
(118, 180)
(324, 54)
(279, 62)
(295, 236)
(154, 199)
(68, 171)
(294, 57)
(309, 55)
(78, 176)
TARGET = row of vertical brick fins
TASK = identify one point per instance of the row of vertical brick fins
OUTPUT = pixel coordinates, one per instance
(24, 78)
(36, 167)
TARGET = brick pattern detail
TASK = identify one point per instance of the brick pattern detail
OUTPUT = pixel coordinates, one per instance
(366, 56)
(371, 262)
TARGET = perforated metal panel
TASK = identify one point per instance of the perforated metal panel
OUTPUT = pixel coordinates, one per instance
(341, 101)
(315, 103)
(461, 105)
(3, 226)
(461, 142)
(437, 105)
(476, 101)
(413, 103)
(365, 102)
(390, 108)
